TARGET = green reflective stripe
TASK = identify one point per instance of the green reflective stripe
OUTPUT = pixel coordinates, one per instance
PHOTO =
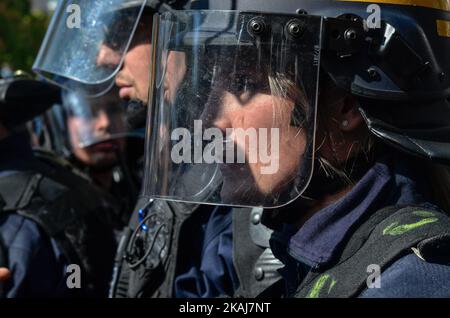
(319, 285)
(425, 214)
(333, 282)
(393, 229)
(320, 282)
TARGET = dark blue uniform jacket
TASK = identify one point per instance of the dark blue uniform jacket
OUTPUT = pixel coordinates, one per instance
(37, 265)
(206, 267)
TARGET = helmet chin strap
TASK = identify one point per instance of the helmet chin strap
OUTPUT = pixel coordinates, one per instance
(136, 114)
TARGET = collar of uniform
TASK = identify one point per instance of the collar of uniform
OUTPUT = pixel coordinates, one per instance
(389, 182)
(17, 154)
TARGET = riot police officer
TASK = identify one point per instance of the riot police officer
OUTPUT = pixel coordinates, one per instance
(168, 266)
(329, 123)
(50, 217)
(102, 146)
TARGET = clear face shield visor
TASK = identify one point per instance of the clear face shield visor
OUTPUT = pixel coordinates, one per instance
(86, 42)
(96, 127)
(232, 107)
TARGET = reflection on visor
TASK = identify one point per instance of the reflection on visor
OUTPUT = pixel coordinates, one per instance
(93, 121)
(69, 54)
(118, 30)
(234, 106)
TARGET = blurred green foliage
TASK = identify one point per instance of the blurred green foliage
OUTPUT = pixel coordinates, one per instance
(21, 33)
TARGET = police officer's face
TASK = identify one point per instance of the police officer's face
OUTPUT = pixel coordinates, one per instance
(133, 78)
(98, 128)
(285, 143)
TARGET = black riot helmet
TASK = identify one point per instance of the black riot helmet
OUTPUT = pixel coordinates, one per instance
(393, 54)
(69, 55)
(22, 99)
(69, 51)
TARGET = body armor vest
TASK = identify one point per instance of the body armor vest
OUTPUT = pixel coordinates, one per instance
(70, 210)
(147, 256)
(383, 238)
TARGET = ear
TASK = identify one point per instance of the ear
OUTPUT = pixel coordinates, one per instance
(348, 114)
